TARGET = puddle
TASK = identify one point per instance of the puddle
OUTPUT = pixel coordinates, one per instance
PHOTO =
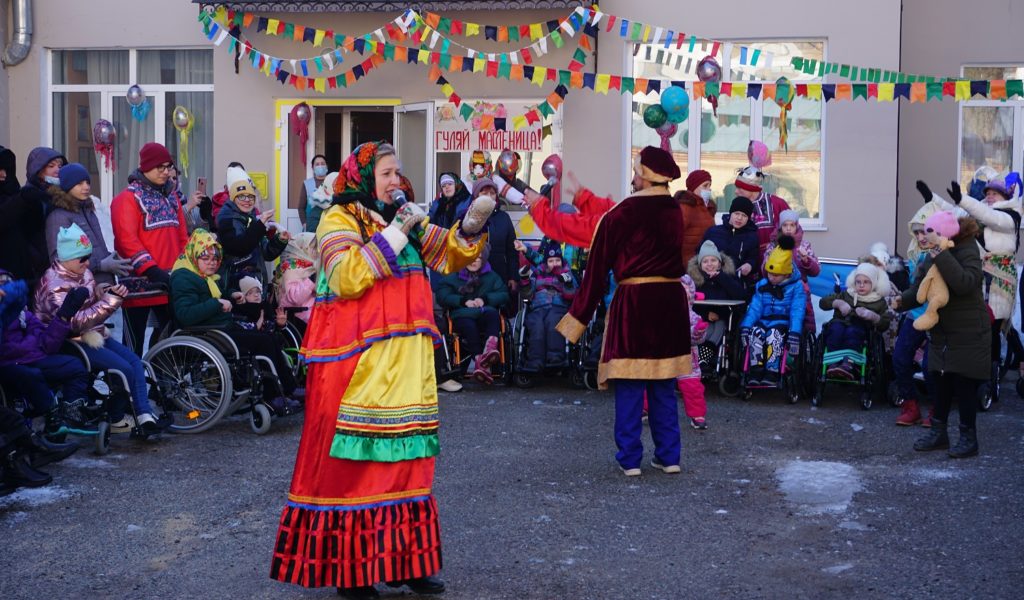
(819, 487)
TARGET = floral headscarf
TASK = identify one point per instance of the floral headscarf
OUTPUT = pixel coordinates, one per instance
(355, 180)
(201, 243)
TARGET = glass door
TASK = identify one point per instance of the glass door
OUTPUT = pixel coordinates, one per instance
(131, 136)
(414, 142)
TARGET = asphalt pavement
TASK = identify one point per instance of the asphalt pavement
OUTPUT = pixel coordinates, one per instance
(774, 501)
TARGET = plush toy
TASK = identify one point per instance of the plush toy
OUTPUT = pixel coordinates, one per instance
(941, 228)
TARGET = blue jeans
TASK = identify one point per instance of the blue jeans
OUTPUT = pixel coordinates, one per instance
(663, 416)
(33, 381)
(114, 355)
(908, 340)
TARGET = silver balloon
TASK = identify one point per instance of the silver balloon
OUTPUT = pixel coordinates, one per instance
(708, 70)
(180, 118)
(508, 164)
(302, 112)
(103, 132)
(135, 95)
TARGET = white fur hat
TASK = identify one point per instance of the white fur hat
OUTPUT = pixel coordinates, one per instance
(879, 278)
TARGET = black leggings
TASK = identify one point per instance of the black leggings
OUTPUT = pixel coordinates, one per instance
(265, 344)
(953, 386)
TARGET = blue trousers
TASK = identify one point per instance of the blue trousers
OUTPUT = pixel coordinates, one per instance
(114, 355)
(33, 380)
(545, 346)
(663, 416)
(843, 335)
(908, 340)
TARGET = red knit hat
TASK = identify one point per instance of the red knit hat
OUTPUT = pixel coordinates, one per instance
(656, 165)
(696, 178)
(152, 155)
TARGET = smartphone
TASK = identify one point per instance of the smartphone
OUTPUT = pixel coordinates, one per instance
(201, 185)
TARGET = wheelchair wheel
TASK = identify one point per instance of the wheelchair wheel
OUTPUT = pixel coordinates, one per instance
(985, 396)
(522, 380)
(259, 419)
(102, 442)
(194, 380)
(730, 385)
(590, 380)
(576, 378)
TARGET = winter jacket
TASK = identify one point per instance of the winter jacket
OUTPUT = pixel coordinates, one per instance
(768, 310)
(491, 289)
(443, 210)
(961, 341)
(502, 236)
(1000, 236)
(697, 219)
(54, 287)
(192, 303)
(36, 195)
(149, 229)
(246, 246)
(22, 223)
(739, 244)
(68, 210)
(724, 286)
(879, 307)
(26, 339)
(299, 293)
(547, 289)
(807, 267)
(767, 209)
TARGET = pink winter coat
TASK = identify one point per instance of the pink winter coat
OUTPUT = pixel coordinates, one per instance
(54, 287)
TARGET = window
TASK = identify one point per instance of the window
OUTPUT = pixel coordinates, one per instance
(88, 85)
(991, 131)
(795, 173)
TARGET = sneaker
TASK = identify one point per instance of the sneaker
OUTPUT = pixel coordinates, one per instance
(631, 472)
(490, 355)
(123, 426)
(699, 423)
(148, 424)
(450, 385)
(838, 371)
(670, 469)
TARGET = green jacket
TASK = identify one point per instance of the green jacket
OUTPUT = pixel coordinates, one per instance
(492, 291)
(192, 303)
(878, 307)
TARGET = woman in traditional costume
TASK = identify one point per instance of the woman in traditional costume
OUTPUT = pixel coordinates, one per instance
(360, 509)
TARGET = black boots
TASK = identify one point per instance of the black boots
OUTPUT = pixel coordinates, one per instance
(937, 438)
(366, 592)
(967, 445)
(18, 472)
(43, 452)
(424, 586)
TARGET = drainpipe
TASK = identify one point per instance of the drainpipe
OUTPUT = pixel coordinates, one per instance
(21, 40)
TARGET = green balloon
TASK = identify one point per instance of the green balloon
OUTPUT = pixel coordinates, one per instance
(655, 116)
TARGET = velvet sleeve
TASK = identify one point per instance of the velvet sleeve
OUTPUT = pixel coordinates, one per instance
(595, 282)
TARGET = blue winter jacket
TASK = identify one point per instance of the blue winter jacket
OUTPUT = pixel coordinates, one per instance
(769, 311)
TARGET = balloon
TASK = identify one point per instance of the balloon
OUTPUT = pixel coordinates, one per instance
(785, 92)
(103, 132)
(552, 167)
(666, 131)
(680, 116)
(708, 70)
(758, 155)
(135, 95)
(181, 117)
(654, 116)
(302, 112)
(508, 164)
(674, 100)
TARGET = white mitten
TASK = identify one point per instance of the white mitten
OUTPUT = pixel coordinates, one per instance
(506, 191)
(842, 306)
(477, 214)
(867, 315)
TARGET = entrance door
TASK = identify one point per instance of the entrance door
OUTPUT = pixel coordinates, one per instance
(414, 141)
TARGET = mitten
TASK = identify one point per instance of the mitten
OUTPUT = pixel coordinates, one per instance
(116, 266)
(397, 232)
(158, 276)
(924, 190)
(842, 306)
(567, 277)
(206, 209)
(954, 192)
(73, 301)
(868, 315)
(477, 214)
(793, 341)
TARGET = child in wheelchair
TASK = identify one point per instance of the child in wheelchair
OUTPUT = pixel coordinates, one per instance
(255, 313)
(474, 298)
(196, 302)
(68, 273)
(552, 288)
(775, 318)
(714, 277)
(30, 362)
(858, 308)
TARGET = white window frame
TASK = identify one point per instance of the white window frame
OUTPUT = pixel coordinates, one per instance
(1017, 148)
(111, 91)
(756, 120)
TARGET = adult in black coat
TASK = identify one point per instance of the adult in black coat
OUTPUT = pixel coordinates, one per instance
(737, 238)
(23, 213)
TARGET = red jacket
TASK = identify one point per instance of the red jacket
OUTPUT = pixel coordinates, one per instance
(149, 229)
(575, 229)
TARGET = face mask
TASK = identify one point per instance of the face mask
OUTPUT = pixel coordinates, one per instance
(52, 180)
(320, 171)
(706, 195)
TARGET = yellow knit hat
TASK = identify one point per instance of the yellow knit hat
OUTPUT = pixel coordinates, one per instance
(780, 259)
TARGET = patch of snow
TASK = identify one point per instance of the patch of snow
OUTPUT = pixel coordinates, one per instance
(837, 569)
(15, 517)
(929, 474)
(854, 526)
(819, 486)
(37, 496)
(538, 402)
(856, 427)
(132, 528)
(87, 463)
(813, 421)
(776, 437)
(721, 511)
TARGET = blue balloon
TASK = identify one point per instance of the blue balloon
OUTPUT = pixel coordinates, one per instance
(675, 100)
(678, 116)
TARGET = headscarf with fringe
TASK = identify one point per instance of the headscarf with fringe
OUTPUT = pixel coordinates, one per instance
(202, 242)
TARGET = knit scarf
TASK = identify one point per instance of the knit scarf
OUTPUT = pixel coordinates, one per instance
(472, 279)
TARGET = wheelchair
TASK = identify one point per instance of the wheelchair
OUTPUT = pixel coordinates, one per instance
(581, 370)
(722, 363)
(89, 417)
(870, 369)
(202, 375)
(457, 362)
(793, 372)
